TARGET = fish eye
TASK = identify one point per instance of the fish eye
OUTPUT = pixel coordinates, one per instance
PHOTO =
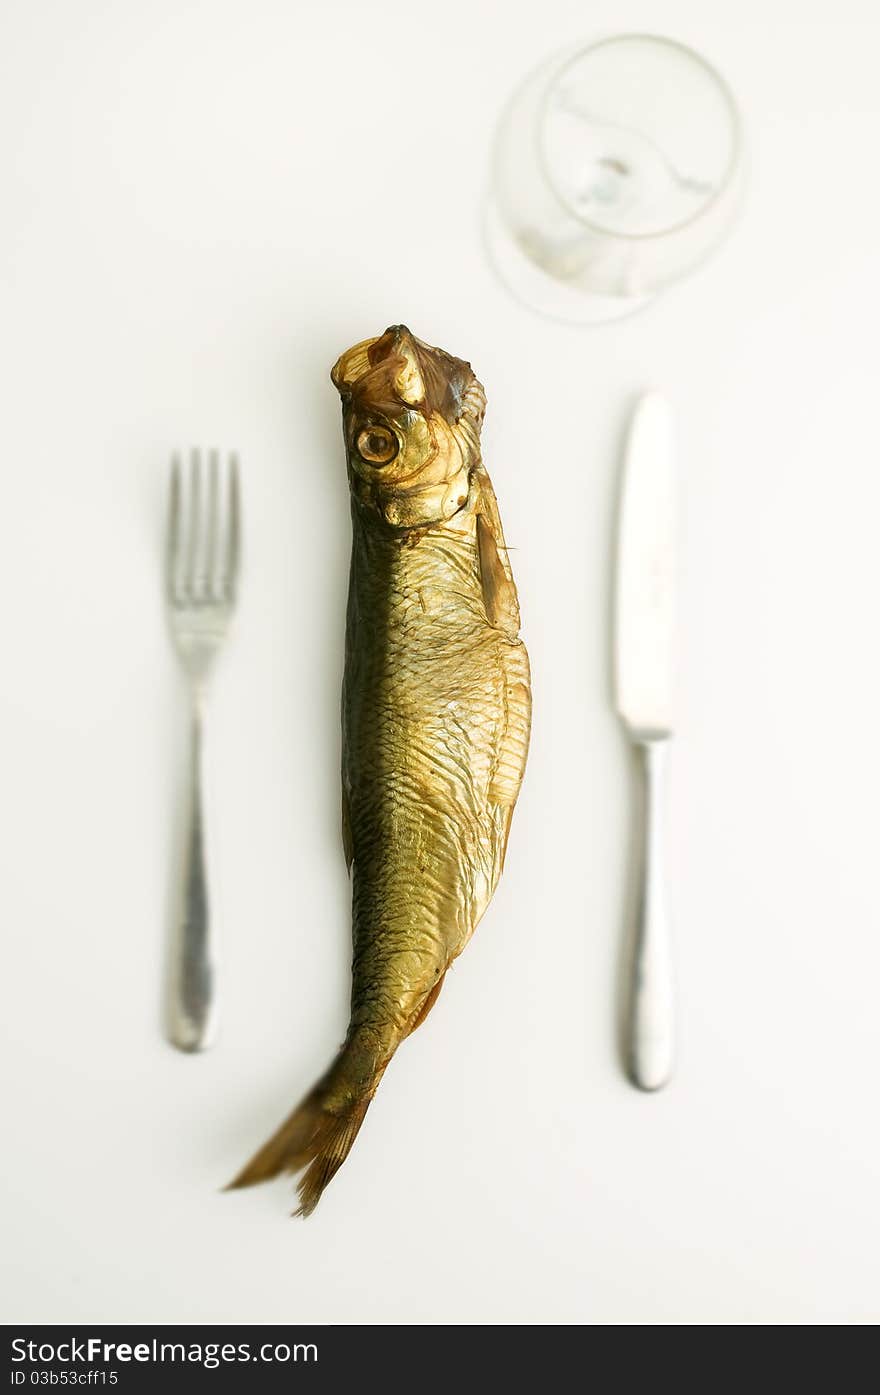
(377, 445)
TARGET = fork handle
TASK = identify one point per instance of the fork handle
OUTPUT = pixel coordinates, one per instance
(191, 1006)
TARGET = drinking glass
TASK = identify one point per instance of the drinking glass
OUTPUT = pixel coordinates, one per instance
(617, 169)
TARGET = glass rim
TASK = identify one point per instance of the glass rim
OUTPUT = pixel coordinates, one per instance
(735, 124)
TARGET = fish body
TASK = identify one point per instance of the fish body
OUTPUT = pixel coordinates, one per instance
(435, 718)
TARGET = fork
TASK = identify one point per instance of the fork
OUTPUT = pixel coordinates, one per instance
(202, 565)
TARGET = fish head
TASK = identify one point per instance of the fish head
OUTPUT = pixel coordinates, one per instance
(411, 419)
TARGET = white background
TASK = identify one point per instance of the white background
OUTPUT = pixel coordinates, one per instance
(202, 204)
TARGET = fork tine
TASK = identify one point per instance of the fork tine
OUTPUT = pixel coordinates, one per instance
(233, 531)
(172, 554)
(213, 524)
(195, 524)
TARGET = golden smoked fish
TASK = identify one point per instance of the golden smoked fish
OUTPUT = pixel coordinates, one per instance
(435, 719)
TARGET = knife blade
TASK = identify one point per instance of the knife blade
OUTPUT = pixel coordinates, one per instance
(643, 682)
(645, 572)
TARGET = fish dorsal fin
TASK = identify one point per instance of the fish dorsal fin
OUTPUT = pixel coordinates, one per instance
(499, 592)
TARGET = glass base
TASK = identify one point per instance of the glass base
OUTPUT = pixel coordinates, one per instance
(536, 288)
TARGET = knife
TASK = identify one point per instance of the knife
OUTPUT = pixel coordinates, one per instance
(643, 662)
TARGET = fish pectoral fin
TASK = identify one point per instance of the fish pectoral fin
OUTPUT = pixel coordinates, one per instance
(429, 1002)
(499, 593)
(513, 737)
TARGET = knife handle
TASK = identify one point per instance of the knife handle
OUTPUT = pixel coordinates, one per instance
(650, 1029)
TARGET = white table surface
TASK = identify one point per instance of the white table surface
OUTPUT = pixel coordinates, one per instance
(202, 204)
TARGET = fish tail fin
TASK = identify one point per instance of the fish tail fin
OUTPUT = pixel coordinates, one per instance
(319, 1134)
